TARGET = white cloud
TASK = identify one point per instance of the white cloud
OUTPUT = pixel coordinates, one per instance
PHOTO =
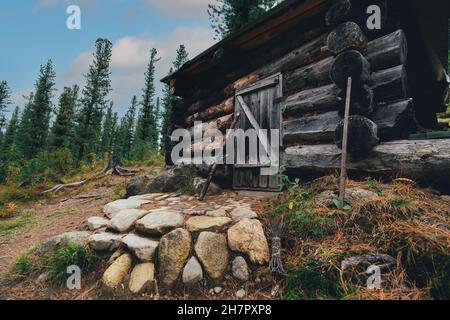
(130, 57)
(182, 8)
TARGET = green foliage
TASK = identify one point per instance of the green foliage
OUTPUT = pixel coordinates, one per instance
(63, 129)
(38, 112)
(311, 283)
(228, 16)
(147, 131)
(93, 101)
(53, 263)
(374, 184)
(299, 211)
(108, 131)
(126, 132)
(8, 150)
(4, 101)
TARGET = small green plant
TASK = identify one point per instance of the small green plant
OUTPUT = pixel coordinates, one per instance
(337, 204)
(374, 184)
(298, 210)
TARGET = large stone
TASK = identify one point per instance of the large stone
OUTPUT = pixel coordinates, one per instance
(243, 213)
(113, 208)
(125, 219)
(116, 273)
(192, 273)
(137, 185)
(211, 249)
(95, 223)
(105, 241)
(174, 249)
(172, 180)
(198, 184)
(142, 278)
(247, 236)
(240, 269)
(160, 222)
(196, 224)
(144, 249)
(79, 238)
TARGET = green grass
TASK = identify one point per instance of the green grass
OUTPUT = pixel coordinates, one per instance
(53, 263)
(22, 222)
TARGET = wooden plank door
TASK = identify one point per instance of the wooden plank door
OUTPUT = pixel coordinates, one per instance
(258, 111)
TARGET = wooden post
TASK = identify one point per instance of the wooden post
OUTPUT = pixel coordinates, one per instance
(213, 168)
(343, 179)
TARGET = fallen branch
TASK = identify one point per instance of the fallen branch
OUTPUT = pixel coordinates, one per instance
(65, 186)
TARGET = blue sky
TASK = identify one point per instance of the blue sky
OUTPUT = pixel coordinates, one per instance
(33, 31)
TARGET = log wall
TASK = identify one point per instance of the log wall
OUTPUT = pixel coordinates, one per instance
(313, 73)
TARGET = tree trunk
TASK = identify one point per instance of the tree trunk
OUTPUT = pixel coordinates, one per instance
(426, 161)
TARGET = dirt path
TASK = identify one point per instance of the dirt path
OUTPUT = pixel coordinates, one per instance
(50, 217)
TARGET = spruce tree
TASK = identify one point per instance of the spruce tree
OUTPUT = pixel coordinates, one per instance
(63, 129)
(108, 131)
(228, 16)
(147, 128)
(23, 132)
(4, 102)
(181, 58)
(10, 136)
(94, 100)
(126, 132)
(39, 112)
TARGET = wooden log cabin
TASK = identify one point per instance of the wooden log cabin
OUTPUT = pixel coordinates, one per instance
(290, 69)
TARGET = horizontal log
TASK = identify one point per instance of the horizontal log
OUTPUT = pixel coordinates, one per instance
(220, 124)
(390, 84)
(394, 121)
(222, 109)
(318, 74)
(426, 161)
(314, 100)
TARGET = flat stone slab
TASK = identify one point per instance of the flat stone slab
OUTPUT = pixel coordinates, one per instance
(144, 249)
(105, 241)
(149, 197)
(113, 208)
(125, 219)
(217, 213)
(80, 238)
(95, 223)
(158, 223)
(203, 223)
